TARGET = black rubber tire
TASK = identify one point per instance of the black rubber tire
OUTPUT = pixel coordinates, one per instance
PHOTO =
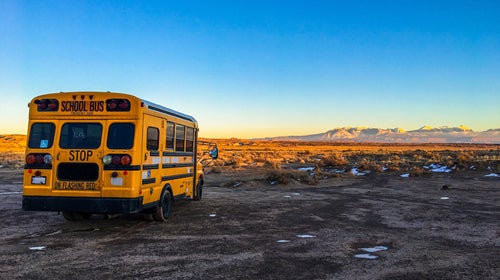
(79, 216)
(164, 207)
(68, 216)
(198, 192)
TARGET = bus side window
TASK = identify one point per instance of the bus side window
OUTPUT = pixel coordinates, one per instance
(153, 139)
(189, 139)
(121, 136)
(170, 135)
(179, 138)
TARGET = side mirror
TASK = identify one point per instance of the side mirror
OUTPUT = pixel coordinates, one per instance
(214, 153)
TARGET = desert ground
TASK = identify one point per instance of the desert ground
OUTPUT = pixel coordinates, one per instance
(281, 210)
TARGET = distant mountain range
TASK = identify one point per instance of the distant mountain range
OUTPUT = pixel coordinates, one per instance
(425, 134)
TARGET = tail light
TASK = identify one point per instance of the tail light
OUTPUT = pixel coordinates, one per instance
(39, 159)
(47, 105)
(117, 105)
(117, 160)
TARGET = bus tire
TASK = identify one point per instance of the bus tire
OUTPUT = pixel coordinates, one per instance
(198, 191)
(164, 207)
(68, 216)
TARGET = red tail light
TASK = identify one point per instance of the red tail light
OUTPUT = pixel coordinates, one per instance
(125, 160)
(30, 159)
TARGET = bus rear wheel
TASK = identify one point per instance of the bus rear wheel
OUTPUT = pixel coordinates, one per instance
(198, 191)
(164, 208)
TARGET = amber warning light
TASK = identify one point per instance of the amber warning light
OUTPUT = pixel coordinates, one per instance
(47, 105)
(117, 105)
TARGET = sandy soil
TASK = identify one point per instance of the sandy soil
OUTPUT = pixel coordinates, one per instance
(441, 226)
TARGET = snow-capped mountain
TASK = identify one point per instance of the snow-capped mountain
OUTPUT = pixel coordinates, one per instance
(425, 134)
(442, 129)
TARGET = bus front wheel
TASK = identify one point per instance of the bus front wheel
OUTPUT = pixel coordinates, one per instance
(164, 208)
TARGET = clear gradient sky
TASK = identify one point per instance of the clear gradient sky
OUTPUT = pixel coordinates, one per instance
(262, 68)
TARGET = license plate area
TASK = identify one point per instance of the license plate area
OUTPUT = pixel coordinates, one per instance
(38, 180)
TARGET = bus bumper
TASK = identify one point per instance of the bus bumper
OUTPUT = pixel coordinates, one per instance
(83, 204)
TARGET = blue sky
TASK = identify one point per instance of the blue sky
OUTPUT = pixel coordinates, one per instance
(262, 68)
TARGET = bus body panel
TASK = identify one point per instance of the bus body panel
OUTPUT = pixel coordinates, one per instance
(82, 131)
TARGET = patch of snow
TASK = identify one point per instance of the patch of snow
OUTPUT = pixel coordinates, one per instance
(366, 256)
(287, 196)
(306, 168)
(305, 236)
(374, 249)
(437, 168)
(356, 172)
(54, 233)
(406, 175)
(212, 215)
(445, 198)
(37, 248)
(492, 175)
(283, 241)
(7, 193)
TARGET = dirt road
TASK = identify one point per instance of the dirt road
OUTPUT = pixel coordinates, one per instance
(443, 226)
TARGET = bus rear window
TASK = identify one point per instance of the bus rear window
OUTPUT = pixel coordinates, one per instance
(121, 136)
(41, 135)
(81, 135)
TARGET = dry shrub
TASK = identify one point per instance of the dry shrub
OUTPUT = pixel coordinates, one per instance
(333, 160)
(236, 162)
(272, 163)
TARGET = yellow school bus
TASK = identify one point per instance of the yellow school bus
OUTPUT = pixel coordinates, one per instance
(106, 152)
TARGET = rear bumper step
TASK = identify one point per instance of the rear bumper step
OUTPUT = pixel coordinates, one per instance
(83, 204)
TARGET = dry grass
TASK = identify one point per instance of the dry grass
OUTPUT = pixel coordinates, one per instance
(12, 148)
(280, 159)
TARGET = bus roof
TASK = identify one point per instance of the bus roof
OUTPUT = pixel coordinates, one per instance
(147, 104)
(158, 108)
